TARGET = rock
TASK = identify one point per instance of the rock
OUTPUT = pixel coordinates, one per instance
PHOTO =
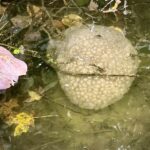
(95, 66)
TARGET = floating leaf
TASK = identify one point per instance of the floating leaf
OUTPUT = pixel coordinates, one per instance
(71, 20)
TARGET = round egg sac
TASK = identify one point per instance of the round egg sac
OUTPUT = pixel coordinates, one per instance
(96, 65)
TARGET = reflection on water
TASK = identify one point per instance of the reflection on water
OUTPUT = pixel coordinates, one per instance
(124, 125)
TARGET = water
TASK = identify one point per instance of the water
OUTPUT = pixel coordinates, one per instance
(124, 125)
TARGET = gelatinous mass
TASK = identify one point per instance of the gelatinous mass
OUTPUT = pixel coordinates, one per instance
(95, 65)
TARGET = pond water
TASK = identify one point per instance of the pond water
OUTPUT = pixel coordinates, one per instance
(124, 125)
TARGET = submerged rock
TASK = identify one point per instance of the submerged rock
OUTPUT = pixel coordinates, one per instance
(96, 66)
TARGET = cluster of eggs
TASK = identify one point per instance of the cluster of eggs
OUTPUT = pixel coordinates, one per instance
(96, 65)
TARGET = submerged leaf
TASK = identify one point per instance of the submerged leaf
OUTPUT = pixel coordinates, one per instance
(23, 122)
(6, 108)
(93, 6)
(21, 21)
(34, 96)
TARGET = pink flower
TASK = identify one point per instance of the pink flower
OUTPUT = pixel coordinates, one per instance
(10, 69)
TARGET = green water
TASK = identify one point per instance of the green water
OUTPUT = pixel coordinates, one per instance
(124, 125)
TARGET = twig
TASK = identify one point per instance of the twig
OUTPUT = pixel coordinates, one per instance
(3, 44)
(44, 8)
(48, 34)
(59, 10)
(106, 5)
(43, 145)
(76, 5)
(46, 116)
(114, 8)
(65, 3)
(32, 52)
(53, 2)
(2, 27)
(47, 87)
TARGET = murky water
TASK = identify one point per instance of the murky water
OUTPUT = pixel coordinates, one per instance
(124, 125)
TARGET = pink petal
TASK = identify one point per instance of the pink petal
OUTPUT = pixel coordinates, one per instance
(6, 82)
(19, 66)
(4, 51)
(10, 69)
(11, 65)
(7, 68)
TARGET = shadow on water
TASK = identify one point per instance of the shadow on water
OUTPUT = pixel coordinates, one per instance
(124, 125)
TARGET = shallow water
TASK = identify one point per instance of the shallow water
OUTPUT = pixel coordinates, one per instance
(124, 125)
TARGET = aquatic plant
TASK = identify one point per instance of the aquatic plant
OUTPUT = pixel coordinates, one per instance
(10, 69)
